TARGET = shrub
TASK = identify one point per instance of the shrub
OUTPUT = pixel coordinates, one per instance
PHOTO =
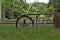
(3, 20)
(41, 17)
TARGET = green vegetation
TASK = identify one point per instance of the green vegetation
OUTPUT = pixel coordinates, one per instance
(56, 4)
(11, 9)
(41, 32)
(41, 17)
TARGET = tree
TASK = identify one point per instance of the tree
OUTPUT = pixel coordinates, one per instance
(12, 7)
(34, 7)
(56, 4)
(6, 6)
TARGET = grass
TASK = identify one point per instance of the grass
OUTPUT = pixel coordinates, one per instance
(41, 32)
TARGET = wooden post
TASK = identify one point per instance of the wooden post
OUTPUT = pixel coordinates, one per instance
(57, 20)
(0, 9)
(36, 20)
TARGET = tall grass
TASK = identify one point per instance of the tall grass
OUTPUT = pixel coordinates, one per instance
(40, 32)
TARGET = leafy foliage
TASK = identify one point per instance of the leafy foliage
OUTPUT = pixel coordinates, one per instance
(24, 8)
(56, 4)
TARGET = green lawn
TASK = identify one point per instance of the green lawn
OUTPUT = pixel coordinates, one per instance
(41, 32)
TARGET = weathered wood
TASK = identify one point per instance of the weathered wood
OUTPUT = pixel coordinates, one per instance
(57, 19)
(0, 9)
